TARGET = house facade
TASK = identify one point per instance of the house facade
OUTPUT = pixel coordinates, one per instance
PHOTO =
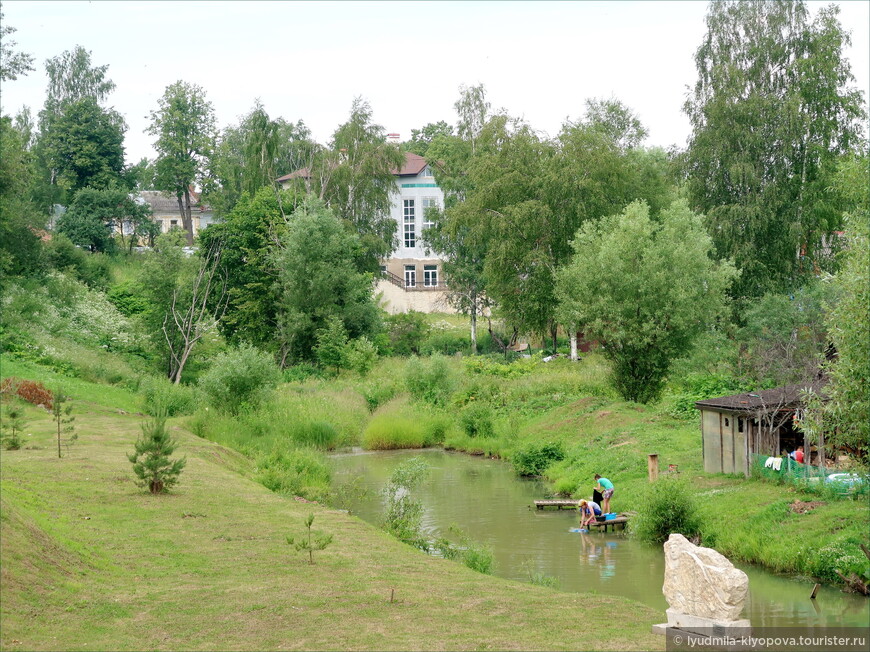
(165, 211)
(413, 278)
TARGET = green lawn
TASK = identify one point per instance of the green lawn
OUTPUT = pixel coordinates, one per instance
(90, 561)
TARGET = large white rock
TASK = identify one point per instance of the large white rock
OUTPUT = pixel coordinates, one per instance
(701, 582)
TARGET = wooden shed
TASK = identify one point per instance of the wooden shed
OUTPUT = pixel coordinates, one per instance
(734, 428)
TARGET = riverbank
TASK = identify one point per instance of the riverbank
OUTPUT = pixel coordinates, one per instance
(90, 561)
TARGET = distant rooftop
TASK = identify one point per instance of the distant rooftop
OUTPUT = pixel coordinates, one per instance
(787, 396)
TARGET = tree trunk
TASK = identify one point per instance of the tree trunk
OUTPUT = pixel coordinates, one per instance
(474, 328)
(573, 330)
(186, 218)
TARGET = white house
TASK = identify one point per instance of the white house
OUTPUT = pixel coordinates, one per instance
(413, 278)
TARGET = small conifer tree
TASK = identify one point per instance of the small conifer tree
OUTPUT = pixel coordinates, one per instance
(305, 541)
(61, 410)
(12, 425)
(151, 462)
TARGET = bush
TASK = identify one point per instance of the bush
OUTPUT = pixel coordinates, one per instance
(406, 332)
(29, 390)
(430, 381)
(162, 396)
(446, 343)
(697, 387)
(301, 372)
(498, 367)
(477, 420)
(403, 516)
(332, 344)
(239, 377)
(127, 299)
(296, 472)
(360, 355)
(668, 506)
(393, 431)
(316, 434)
(534, 459)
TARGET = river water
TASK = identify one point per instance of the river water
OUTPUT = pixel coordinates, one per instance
(493, 507)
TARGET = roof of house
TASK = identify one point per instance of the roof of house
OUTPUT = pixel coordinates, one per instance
(413, 165)
(160, 202)
(780, 397)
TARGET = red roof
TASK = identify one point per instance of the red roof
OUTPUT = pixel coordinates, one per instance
(412, 166)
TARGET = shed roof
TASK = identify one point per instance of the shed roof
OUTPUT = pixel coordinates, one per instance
(788, 396)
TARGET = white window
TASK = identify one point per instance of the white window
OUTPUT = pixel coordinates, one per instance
(410, 276)
(427, 172)
(428, 202)
(409, 223)
(430, 276)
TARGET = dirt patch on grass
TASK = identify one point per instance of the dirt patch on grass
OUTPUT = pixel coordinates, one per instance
(801, 507)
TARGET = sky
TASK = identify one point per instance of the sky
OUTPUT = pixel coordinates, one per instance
(309, 60)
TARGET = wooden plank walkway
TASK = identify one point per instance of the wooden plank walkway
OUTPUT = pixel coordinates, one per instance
(565, 503)
(619, 520)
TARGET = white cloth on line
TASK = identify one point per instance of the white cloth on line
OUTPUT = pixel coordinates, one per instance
(777, 463)
(768, 462)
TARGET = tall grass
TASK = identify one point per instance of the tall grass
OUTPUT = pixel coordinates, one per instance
(400, 424)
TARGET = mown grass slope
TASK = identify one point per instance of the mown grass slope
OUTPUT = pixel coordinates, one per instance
(91, 561)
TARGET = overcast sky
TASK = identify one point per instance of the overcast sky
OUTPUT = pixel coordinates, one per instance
(308, 60)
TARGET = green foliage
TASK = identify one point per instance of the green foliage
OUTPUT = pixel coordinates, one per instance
(151, 457)
(61, 411)
(844, 417)
(473, 555)
(331, 344)
(403, 516)
(772, 110)
(239, 377)
(12, 63)
(680, 403)
(126, 298)
(294, 472)
(647, 288)
(302, 372)
(497, 366)
(667, 506)
(160, 396)
(407, 331)
(95, 214)
(184, 124)
(534, 458)
(318, 280)
(305, 542)
(361, 355)
(12, 425)
(476, 420)
(399, 425)
(429, 381)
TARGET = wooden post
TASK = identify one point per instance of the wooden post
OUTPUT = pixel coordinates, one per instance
(652, 466)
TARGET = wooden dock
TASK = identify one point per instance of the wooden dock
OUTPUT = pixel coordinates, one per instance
(565, 503)
(620, 520)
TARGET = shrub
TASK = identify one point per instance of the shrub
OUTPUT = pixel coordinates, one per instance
(12, 424)
(296, 472)
(477, 420)
(301, 372)
(29, 390)
(162, 396)
(667, 506)
(473, 555)
(430, 381)
(241, 376)
(533, 459)
(316, 434)
(406, 332)
(393, 431)
(360, 355)
(331, 344)
(151, 457)
(498, 367)
(697, 387)
(127, 299)
(446, 343)
(403, 517)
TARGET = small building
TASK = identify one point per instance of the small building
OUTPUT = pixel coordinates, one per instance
(165, 211)
(735, 428)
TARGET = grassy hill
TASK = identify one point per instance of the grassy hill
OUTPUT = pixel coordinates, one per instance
(90, 561)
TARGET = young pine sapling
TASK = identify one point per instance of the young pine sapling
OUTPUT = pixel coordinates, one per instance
(151, 459)
(13, 424)
(305, 542)
(61, 409)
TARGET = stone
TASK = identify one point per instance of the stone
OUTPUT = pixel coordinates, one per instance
(701, 582)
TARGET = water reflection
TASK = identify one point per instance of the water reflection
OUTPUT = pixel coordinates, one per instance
(484, 499)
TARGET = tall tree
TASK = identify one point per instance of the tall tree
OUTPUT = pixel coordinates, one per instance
(85, 146)
(76, 92)
(318, 279)
(772, 110)
(646, 288)
(422, 138)
(355, 177)
(184, 125)
(254, 153)
(95, 215)
(12, 63)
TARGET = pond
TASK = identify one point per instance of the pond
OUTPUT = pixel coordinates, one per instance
(493, 507)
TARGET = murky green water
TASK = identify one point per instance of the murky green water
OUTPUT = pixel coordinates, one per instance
(493, 507)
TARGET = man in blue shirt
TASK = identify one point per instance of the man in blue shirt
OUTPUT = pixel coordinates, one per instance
(605, 486)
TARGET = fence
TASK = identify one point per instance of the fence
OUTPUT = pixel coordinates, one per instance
(808, 476)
